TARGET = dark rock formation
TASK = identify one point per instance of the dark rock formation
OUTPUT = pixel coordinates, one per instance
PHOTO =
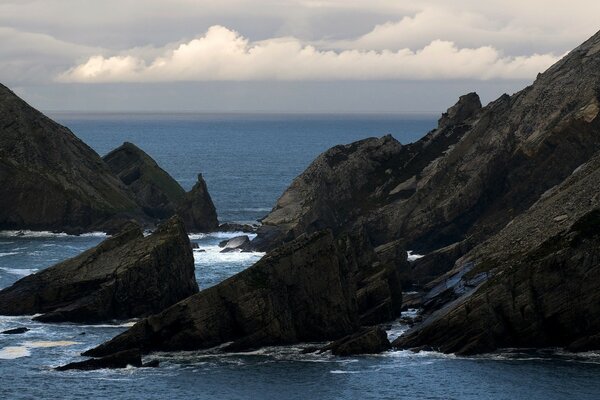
(487, 189)
(371, 340)
(197, 209)
(543, 267)
(51, 180)
(155, 191)
(302, 291)
(349, 185)
(238, 243)
(233, 227)
(547, 297)
(121, 359)
(125, 276)
(15, 331)
(468, 178)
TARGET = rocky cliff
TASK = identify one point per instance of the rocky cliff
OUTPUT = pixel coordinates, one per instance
(155, 191)
(303, 291)
(468, 178)
(125, 276)
(502, 198)
(542, 270)
(49, 179)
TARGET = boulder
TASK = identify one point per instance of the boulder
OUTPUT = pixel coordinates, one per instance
(238, 243)
(197, 209)
(51, 180)
(122, 359)
(302, 291)
(154, 190)
(371, 340)
(125, 276)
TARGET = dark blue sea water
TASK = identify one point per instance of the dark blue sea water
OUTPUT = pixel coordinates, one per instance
(248, 160)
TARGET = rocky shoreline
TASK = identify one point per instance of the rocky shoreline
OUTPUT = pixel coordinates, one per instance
(503, 202)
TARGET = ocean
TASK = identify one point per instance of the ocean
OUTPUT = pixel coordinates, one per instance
(247, 162)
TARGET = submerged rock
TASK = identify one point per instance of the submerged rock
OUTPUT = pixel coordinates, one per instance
(15, 331)
(125, 276)
(197, 209)
(371, 340)
(302, 291)
(156, 192)
(122, 359)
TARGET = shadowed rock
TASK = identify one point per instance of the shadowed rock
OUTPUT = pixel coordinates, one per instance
(371, 340)
(125, 276)
(118, 360)
(547, 297)
(197, 209)
(15, 331)
(156, 192)
(51, 180)
(303, 291)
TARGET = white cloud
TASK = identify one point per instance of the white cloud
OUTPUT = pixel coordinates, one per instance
(224, 55)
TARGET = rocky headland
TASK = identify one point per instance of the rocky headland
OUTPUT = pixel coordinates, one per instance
(51, 180)
(126, 276)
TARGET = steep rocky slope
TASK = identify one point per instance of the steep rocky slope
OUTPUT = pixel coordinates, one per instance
(156, 192)
(49, 179)
(543, 270)
(300, 292)
(503, 199)
(125, 276)
(467, 179)
(348, 183)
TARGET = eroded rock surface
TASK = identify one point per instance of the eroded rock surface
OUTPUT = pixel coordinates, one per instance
(300, 292)
(125, 276)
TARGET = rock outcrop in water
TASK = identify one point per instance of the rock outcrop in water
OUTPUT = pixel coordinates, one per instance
(371, 340)
(125, 276)
(197, 209)
(155, 191)
(300, 292)
(158, 194)
(122, 359)
(51, 180)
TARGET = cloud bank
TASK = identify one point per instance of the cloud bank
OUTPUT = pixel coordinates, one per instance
(222, 54)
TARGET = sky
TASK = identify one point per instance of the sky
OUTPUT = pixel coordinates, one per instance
(403, 56)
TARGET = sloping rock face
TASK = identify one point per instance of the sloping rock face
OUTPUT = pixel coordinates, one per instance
(371, 340)
(125, 276)
(197, 209)
(468, 178)
(51, 180)
(344, 186)
(156, 192)
(535, 298)
(114, 361)
(303, 291)
(547, 297)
